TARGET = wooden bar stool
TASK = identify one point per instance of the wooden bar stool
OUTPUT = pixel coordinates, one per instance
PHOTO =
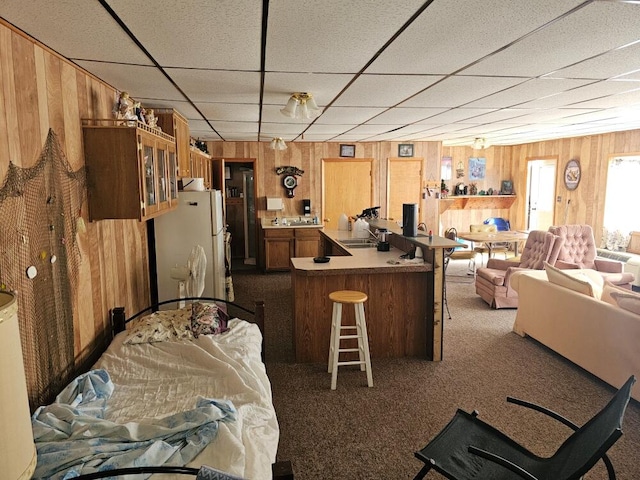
(357, 299)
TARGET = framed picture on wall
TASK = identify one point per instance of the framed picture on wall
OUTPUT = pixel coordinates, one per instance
(405, 150)
(347, 150)
(507, 187)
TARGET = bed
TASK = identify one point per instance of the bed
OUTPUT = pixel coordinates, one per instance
(177, 385)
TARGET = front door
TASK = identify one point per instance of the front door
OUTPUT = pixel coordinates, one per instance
(541, 190)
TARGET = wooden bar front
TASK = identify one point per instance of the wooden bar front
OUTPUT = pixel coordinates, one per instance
(396, 312)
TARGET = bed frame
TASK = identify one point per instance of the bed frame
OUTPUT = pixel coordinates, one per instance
(282, 470)
(119, 319)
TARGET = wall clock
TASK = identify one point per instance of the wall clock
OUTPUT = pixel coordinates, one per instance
(572, 174)
(290, 183)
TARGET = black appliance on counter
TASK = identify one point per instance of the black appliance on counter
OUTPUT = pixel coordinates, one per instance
(410, 219)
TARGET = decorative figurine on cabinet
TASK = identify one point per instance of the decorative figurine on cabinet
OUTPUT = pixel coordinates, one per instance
(150, 118)
(124, 108)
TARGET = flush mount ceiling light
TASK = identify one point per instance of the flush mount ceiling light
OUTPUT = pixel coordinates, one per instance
(480, 143)
(301, 106)
(277, 144)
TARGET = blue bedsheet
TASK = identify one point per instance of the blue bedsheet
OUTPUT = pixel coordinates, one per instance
(72, 437)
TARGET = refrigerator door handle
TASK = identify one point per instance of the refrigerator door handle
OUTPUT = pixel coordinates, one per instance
(192, 204)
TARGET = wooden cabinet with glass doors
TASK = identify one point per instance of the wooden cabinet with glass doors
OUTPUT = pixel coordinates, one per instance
(200, 166)
(173, 123)
(131, 170)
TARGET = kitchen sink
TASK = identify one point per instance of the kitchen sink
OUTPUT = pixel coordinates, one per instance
(358, 242)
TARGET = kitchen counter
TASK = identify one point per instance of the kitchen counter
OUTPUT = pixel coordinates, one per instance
(306, 222)
(365, 260)
(404, 306)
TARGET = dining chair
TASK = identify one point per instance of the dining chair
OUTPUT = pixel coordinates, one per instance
(483, 248)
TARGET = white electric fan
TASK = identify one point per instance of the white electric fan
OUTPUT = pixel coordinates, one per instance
(191, 276)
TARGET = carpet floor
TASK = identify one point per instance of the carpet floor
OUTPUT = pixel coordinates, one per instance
(356, 432)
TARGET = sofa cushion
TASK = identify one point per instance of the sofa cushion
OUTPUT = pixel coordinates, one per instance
(492, 275)
(577, 280)
(608, 288)
(628, 300)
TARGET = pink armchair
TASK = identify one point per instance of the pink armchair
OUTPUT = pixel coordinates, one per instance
(493, 282)
(579, 251)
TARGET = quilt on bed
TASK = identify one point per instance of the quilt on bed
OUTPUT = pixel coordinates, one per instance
(164, 380)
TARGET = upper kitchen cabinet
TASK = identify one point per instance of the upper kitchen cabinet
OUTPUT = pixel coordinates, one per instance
(131, 170)
(172, 123)
(200, 165)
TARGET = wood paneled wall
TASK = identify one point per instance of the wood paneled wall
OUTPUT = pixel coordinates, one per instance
(586, 203)
(39, 90)
(308, 157)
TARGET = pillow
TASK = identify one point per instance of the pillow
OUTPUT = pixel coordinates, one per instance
(160, 326)
(575, 280)
(629, 301)
(608, 289)
(207, 319)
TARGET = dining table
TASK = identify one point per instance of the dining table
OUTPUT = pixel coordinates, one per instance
(492, 239)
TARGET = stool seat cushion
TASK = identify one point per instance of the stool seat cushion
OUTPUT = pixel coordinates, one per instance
(348, 296)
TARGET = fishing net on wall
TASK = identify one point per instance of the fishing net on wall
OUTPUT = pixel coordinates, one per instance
(39, 259)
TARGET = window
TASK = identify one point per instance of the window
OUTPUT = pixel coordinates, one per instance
(620, 214)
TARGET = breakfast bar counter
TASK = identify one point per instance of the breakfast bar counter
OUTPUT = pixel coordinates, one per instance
(402, 317)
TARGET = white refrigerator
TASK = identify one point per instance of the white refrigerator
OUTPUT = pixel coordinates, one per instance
(198, 220)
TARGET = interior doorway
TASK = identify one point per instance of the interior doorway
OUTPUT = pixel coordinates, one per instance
(404, 185)
(347, 187)
(236, 177)
(541, 192)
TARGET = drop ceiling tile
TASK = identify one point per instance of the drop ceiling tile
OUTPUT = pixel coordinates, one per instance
(231, 112)
(279, 129)
(348, 115)
(197, 33)
(138, 81)
(459, 90)
(451, 34)
(553, 115)
(320, 129)
(311, 36)
(78, 30)
(349, 138)
(618, 100)
(401, 115)
(217, 86)
(184, 108)
(240, 137)
(372, 129)
(592, 30)
(610, 64)
(497, 115)
(576, 97)
(527, 91)
(454, 115)
(383, 90)
(238, 127)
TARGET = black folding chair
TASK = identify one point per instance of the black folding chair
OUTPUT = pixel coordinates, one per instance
(468, 448)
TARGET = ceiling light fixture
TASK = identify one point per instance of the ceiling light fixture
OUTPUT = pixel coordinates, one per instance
(301, 106)
(480, 143)
(277, 144)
